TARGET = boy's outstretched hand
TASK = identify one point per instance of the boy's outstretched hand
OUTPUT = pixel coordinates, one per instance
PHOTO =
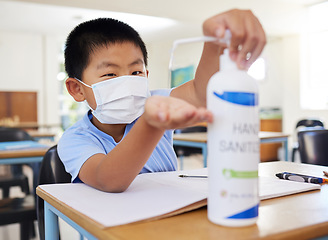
(170, 113)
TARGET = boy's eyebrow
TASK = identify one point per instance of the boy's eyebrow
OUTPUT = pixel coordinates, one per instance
(109, 64)
(136, 62)
(106, 64)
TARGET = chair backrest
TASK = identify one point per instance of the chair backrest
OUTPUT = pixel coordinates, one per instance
(313, 146)
(8, 134)
(52, 171)
(186, 151)
(191, 129)
(310, 122)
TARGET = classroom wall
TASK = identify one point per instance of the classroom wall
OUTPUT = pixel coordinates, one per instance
(52, 53)
(292, 111)
(28, 62)
(270, 87)
(21, 63)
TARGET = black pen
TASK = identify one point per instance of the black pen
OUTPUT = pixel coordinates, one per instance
(300, 177)
(192, 176)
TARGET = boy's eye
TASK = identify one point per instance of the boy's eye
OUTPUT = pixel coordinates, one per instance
(137, 73)
(109, 75)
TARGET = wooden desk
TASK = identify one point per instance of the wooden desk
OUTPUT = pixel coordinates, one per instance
(199, 140)
(31, 125)
(298, 216)
(25, 156)
(37, 135)
(22, 156)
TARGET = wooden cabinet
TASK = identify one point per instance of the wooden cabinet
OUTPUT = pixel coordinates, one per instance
(269, 151)
(18, 106)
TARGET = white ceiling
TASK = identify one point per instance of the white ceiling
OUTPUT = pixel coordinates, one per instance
(279, 17)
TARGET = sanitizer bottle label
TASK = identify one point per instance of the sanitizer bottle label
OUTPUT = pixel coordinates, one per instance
(233, 154)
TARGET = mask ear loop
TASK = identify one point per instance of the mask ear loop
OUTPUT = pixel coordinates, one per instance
(85, 101)
(83, 83)
(226, 39)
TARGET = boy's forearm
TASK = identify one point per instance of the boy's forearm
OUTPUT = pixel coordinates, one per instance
(115, 171)
(121, 165)
(194, 91)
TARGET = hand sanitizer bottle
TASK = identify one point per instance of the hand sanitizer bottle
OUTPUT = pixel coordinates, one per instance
(233, 146)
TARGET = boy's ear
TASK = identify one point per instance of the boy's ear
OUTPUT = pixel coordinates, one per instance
(75, 89)
(147, 73)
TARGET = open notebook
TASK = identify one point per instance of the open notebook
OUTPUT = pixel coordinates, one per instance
(155, 195)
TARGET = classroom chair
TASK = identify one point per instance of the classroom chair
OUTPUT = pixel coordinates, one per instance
(19, 210)
(182, 152)
(15, 177)
(309, 122)
(51, 171)
(303, 125)
(313, 146)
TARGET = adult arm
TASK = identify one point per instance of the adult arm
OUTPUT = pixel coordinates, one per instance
(247, 42)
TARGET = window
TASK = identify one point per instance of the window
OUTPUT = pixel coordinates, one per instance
(258, 69)
(314, 51)
(70, 110)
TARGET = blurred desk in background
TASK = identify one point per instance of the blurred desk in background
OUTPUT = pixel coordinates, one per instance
(38, 135)
(30, 153)
(20, 152)
(271, 121)
(199, 140)
(30, 125)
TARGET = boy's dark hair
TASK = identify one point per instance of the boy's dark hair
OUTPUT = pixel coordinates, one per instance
(90, 36)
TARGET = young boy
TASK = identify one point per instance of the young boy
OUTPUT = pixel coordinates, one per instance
(129, 129)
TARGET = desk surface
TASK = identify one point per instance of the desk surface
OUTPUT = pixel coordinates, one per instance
(202, 136)
(38, 133)
(30, 125)
(299, 216)
(23, 153)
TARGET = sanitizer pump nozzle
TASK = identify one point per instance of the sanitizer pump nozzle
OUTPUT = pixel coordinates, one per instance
(176, 43)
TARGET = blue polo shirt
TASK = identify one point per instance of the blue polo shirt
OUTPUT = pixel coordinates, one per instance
(83, 140)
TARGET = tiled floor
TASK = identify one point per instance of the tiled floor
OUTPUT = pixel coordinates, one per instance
(11, 232)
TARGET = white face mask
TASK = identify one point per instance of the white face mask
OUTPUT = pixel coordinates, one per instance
(120, 100)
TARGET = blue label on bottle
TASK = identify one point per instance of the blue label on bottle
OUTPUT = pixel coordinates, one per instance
(248, 213)
(241, 98)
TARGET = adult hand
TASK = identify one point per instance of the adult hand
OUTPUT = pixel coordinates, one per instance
(248, 37)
